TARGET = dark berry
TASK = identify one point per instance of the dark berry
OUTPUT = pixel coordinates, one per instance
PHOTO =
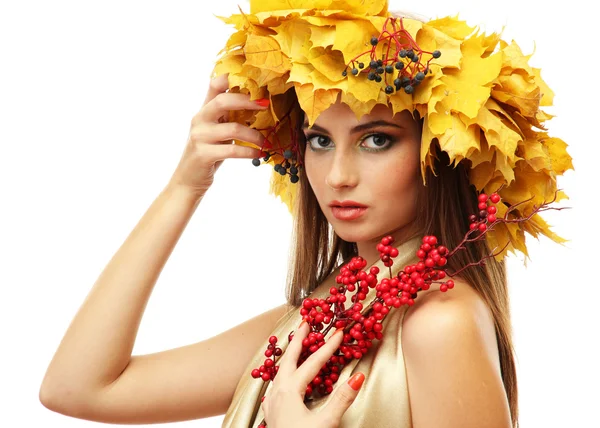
(287, 154)
(380, 70)
(256, 162)
(378, 78)
(402, 53)
(361, 65)
(344, 73)
(415, 58)
(399, 65)
(436, 54)
(294, 178)
(282, 171)
(379, 62)
(374, 41)
(276, 167)
(355, 71)
(373, 64)
(389, 69)
(389, 89)
(409, 89)
(371, 75)
(420, 76)
(293, 170)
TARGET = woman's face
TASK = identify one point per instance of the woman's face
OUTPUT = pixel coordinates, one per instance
(374, 162)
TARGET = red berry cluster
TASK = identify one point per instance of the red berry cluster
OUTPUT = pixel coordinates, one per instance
(363, 324)
(268, 370)
(487, 212)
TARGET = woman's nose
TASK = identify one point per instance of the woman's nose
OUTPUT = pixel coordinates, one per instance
(342, 172)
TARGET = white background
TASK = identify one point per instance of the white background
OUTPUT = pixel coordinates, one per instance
(96, 100)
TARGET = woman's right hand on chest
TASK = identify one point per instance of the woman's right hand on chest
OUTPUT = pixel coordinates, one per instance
(211, 136)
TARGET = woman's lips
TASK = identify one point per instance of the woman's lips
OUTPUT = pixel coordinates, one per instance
(348, 213)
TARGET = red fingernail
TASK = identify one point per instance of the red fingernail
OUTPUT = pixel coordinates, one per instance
(302, 323)
(263, 102)
(356, 381)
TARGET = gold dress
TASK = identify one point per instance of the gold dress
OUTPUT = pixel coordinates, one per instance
(383, 400)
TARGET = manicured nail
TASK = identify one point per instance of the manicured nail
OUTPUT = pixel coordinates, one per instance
(356, 381)
(263, 102)
(301, 324)
(338, 330)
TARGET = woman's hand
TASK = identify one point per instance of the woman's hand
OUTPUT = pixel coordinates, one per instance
(284, 406)
(210, 138)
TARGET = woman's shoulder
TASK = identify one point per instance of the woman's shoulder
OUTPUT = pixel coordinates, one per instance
(439, 321)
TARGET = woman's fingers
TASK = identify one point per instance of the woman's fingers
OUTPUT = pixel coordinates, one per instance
(224, 102)
(309, 369)
(216, 86)
(288, 363)
(225, 132)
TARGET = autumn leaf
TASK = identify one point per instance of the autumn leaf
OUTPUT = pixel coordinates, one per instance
(314, 102)
(264, 52)
(452, 26)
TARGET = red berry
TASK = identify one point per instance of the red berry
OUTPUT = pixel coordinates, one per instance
(394, 252)
(492, 209)
(482, 227)
(495, 198)
(482, 197)
(482, 205)
(255, 374)
(491, 218)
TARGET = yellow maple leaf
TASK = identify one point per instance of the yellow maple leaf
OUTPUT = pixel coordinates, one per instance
(481, 174)
(264, 52)
(359, 108)
(362, 88)
(535, 154)
(231, 64)
(352, 38)
(497, 133)
(560, 159)
(323, 36)
(459, 141)
(400, 101)
(314, 102)
(293, 38)
(518, 91)
(430, 38)
(330, 63)
(469, 88)
(452, 26)
(513, 58)
(547, 94)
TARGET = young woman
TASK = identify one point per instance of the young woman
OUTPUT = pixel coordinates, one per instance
(444, 361)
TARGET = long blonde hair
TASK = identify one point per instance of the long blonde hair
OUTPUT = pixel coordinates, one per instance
(445, 204)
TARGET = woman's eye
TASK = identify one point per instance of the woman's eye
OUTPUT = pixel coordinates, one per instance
(317, 141)
(379, 141)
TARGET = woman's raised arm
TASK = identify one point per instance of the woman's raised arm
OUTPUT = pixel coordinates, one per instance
(92, 374)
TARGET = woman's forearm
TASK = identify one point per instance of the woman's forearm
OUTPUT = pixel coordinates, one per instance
(97, 346)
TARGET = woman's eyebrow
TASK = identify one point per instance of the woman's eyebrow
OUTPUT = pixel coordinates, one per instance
(357, 128)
